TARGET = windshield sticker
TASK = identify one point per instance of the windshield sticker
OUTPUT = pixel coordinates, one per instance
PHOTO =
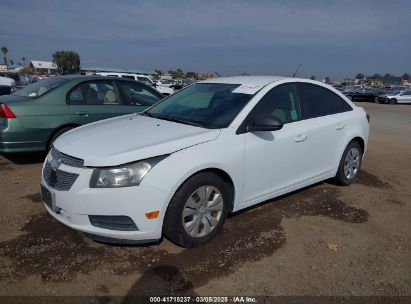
(247, 89)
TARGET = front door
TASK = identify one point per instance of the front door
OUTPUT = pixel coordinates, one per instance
(276, 160)
(95, 100)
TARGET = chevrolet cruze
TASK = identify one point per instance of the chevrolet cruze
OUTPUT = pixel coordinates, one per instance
(180, 167)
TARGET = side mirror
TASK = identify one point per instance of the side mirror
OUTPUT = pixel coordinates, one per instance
(264, 123)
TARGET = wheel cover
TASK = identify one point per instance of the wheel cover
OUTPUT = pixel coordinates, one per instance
(352, 163)
(203, 211)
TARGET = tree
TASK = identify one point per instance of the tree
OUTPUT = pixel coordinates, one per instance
(24, 60)
(327, 79)
(26, 70)
(4, 50)
(376, 76)
(360, 76)
(176, 74)
(387, 75)
(312, 77)
(193, 75)
(68, 62)
(11, 62)
(406, 76)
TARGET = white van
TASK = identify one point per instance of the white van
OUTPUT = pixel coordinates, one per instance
(141, 78)
(7, 85)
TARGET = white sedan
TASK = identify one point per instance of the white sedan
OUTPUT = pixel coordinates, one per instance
(216, 147)
(395, 97)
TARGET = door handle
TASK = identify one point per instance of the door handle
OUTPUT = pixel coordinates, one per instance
(340, 126)
(85, 114)
(300, 138)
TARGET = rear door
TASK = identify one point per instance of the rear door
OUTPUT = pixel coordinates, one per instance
(325, 116)
(95, 100)
(405, 97)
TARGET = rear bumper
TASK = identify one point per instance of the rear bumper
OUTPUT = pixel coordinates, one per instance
(15, 147)
(15, 138)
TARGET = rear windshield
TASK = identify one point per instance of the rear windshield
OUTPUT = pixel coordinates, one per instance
(40, 87)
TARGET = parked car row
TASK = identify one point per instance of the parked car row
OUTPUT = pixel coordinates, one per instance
(387, 95)
(165, 90)
(33, 117)
(20, 79)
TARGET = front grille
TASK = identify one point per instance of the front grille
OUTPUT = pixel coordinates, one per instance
(66, 159)
(58, 179)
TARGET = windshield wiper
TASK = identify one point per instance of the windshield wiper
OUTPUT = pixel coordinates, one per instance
(174, 119)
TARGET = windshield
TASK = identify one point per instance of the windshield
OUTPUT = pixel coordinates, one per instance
(207, 105)
(40, 87)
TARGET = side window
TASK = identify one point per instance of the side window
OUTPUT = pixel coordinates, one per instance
(318, 101)
(281, 102)
(145, 81)
(94, 93)
(136, 94)
(128, 76)
(407, 93)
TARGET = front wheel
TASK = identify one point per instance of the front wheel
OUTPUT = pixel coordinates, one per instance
(56, 135)
(393, 101)
(197, 210)
(350, 164)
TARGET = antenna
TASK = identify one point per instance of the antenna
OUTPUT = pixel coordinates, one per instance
(295, 73)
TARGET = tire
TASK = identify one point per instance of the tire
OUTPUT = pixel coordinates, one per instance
(392, 101)
(56, 135)
(187, 201)
(351, 160)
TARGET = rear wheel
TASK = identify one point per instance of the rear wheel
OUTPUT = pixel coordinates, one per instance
(197, 210)
(350, 164)
(56, 135)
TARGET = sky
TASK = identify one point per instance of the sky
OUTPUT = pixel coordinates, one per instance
(328, 38)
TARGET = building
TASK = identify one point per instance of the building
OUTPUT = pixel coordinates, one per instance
(381, 81)
(94, 70)
(43, 66)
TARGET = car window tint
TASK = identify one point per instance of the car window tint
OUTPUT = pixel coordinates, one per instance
(318, 101)
(282, 103)
(94, 93)
(407, 93)
(145, 81)
(128, 77)
(136, 94)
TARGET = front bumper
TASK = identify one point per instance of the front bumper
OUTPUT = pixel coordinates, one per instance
(73, 207)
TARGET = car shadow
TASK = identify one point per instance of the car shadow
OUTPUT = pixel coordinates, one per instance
(25, 158)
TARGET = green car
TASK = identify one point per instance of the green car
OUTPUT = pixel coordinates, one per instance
(34, 116)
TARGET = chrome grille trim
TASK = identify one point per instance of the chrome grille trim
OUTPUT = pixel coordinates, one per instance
(58, 179)
(66, 159)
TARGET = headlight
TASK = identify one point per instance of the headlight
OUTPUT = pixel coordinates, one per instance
(123, 176)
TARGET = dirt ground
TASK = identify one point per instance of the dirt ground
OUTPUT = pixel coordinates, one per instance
(323, 240)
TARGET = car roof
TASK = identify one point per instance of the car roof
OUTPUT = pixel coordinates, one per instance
(246, 80)
(76, 77)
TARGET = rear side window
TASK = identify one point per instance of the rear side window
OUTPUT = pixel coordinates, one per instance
(318, 101)
(137, 94)
(281, 102)
(128, 77)
(94, 93)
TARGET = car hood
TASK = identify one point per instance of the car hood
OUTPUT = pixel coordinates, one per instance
(129, 138)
